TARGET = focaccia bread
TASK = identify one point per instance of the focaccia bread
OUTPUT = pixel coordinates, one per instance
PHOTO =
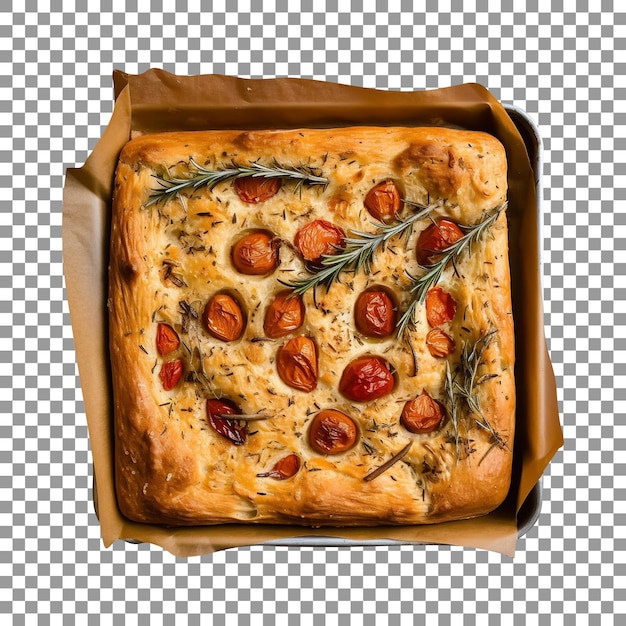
(311, 327)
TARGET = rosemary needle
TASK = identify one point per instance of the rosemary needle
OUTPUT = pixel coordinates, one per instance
(385, 466)
(242, 416)
(200, 176)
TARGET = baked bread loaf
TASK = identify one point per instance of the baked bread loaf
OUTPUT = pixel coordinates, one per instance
(311, 327)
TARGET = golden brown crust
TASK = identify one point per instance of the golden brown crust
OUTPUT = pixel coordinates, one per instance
(168, 259)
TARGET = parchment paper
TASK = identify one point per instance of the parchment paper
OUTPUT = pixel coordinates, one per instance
(158, 101)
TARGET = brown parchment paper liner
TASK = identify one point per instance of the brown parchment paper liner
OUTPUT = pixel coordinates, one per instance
(158, 101)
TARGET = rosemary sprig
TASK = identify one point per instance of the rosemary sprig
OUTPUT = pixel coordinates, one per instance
(421, 285)
(200, 176)
(462, 390)
(471, 360)
(359, 251)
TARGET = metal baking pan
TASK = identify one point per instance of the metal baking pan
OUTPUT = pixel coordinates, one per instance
(530, 510)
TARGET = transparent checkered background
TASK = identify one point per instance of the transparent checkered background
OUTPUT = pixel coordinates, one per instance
(563, 68)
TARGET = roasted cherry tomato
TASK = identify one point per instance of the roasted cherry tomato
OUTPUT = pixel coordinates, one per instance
(223, 317)
(166, 339)
(435, 238)
(170, 374)
(232, 429)
(440, 306)
(439, 343)
(285, 468)
(256, 253)
(383, 201)
(318, 238)
(375, 314)
(284, 315)
(252, 189)
(331, 432)
(366, 378)
(422, 415)
(297, 364)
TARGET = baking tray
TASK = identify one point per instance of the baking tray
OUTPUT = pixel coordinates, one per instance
(531, 508)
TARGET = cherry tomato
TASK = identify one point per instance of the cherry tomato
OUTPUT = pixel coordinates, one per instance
(170, 374)
(297, 364)
(232, 429)
(375, 314)
(284, 315)
(440, 306)
(223, 317)
(166, 339)
(422, 415)
(255, 189)
(366, 378)
(256, 254)
(435, 238)
(285, 468)
(439, 343)
(383, 201)
(332, 432)
(318, 238)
